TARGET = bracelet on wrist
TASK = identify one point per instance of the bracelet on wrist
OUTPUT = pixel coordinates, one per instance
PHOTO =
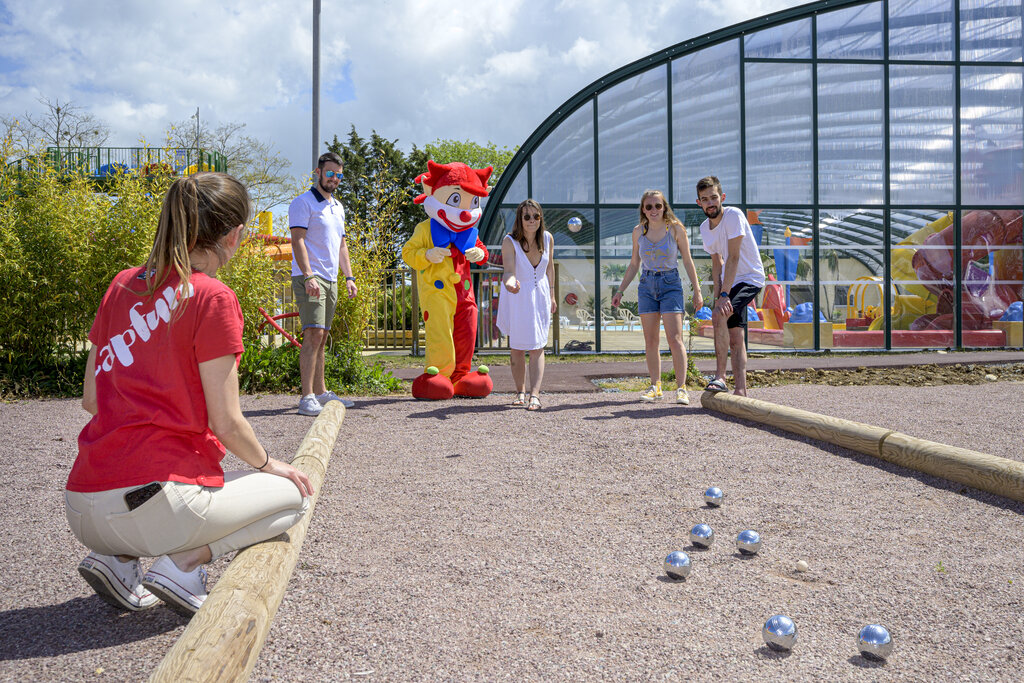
(265, 462)
(307, 279)
(349, 277)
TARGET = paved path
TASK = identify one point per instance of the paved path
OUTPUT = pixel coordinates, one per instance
(577, 377)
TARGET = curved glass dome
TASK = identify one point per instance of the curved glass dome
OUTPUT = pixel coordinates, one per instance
(876, 147)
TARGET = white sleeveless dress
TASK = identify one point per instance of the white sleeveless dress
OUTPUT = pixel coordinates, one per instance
(525, 317)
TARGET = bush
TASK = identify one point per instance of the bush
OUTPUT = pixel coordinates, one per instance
(265, 369)
(61, 243)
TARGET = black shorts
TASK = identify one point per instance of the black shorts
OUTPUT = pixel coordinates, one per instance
(741, 294)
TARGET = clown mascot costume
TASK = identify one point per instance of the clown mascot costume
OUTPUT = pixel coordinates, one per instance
(440, 252)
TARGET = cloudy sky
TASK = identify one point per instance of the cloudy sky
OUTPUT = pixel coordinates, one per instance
(488, 70)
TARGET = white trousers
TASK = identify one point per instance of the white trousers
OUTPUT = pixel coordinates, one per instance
(251, 507)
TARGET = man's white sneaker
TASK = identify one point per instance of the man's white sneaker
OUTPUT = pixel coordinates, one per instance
(184, 592)
(331, 396)
(308, 405)
(117, 583)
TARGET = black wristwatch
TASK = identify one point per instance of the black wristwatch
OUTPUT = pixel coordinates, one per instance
(349, 277)
(725, 294)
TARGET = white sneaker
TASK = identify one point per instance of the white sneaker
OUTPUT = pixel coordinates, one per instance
(331, 396)
(184, 592)
(682, 396)
(117, 583)
(308, 405)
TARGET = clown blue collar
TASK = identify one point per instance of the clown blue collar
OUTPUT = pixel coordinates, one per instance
(443, 237)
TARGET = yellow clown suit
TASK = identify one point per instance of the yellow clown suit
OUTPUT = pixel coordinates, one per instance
(440, 251)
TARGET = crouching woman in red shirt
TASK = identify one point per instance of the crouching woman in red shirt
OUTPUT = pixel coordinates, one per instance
(162, 386)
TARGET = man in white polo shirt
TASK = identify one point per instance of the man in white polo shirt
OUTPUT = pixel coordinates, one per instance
(317, 222)
(738, 277)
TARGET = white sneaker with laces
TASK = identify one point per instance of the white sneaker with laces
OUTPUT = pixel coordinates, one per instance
(331, 396)
(117, 583)
(308, 405)
(682, 396)
(184, 592)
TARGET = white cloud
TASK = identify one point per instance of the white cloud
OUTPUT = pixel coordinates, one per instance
(410, 70)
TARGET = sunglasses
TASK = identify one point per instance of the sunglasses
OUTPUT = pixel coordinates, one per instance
(331, 174)
(531, 217)
(649, 207)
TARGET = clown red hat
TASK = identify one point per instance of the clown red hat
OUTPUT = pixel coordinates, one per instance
(471, 180)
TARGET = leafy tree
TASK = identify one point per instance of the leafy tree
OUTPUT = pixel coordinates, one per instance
(375, 168)
(472, 154)
(257, 163)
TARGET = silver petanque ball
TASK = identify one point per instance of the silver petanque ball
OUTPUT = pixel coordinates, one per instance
(702, 536)
(677, 565)
(779, 633)
(574, 224)
(748, 542)
(714, 497)
(874, 642)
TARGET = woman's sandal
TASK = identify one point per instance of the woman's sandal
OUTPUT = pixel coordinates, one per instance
(520, 399)
(534, 403)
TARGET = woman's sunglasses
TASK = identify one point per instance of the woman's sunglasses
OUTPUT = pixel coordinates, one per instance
(649, 207)
(531, 216)
(331, 174)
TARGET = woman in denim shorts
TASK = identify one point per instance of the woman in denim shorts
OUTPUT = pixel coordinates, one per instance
(658, 241)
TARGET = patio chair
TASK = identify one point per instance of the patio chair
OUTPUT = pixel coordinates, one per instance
(585, 317)
(609, 320)
(629, 318)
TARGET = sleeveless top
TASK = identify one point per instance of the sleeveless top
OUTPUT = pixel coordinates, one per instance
(660, 255)
(525, 317)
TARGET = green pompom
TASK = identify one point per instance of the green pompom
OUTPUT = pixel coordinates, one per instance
(484, 369)
(432, 370)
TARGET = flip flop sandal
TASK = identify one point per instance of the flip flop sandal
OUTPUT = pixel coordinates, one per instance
(520, 399)
(534, 403)
(716, 385)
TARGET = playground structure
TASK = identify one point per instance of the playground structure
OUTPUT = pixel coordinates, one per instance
(922, 292)
(101, 163)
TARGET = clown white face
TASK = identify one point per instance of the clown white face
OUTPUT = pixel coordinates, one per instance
(454, 207)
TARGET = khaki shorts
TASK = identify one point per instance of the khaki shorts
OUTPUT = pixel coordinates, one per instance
(315, 311)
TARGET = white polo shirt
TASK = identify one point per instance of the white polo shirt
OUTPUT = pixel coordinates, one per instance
(733, 224)
(324, 221)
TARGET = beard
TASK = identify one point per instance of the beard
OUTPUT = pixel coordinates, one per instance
(712, 211)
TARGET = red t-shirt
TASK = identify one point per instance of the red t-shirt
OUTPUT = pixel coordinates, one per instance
(152, 423)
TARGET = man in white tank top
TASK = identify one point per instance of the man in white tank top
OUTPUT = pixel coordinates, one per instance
(738, 277)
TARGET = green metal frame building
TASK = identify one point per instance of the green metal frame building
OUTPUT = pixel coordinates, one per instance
(866, 139)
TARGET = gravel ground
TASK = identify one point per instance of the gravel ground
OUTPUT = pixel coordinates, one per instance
(469, 540)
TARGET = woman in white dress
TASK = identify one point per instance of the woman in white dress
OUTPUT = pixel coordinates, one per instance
(527, 300)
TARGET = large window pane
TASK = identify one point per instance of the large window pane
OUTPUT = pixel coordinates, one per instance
(563, 165)
(517, 191)
(792, 40)
(786, 250)
(851, 268)
(633, 137)
(851, 33)
(851, 144)
(574, 255)
(991, 135)
(990, 30)
(993, 282)
(706, 120)
(779, 136)
(922, 274)
(921, 153)
(921, 29)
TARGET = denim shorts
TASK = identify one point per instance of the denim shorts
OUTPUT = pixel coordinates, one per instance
(661, 291)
